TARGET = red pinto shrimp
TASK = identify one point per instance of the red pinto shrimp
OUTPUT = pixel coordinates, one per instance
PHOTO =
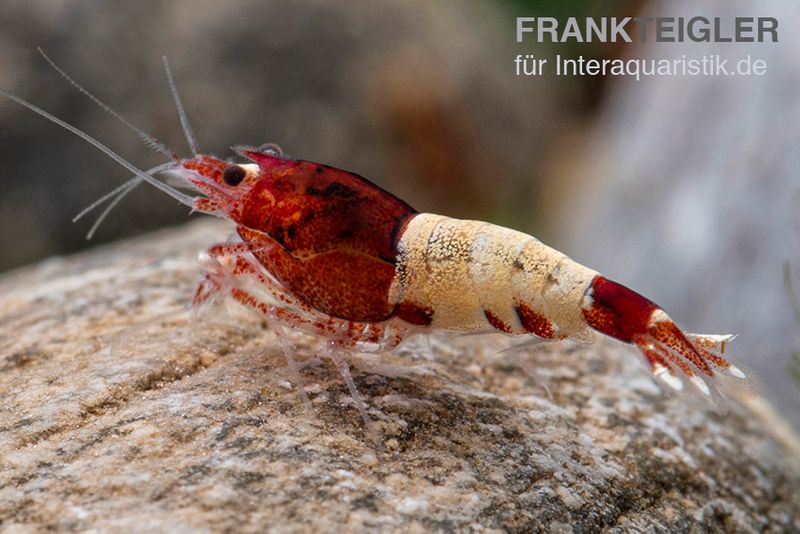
(326, 251)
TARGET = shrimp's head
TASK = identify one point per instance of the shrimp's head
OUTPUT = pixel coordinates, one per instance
(308, 208)
(224, 183)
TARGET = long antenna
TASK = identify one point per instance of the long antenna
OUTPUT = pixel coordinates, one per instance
(187, 129)
(116, 191)
(174, 193)
(119, 193)
(148, 139)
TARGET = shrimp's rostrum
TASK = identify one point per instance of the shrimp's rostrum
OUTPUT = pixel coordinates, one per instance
(326, 251)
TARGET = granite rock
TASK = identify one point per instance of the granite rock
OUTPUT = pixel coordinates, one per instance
(123, 410)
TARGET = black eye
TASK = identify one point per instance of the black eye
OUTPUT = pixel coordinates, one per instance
(233, 175)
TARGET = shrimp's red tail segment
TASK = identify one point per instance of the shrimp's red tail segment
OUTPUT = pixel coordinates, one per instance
(619, 312)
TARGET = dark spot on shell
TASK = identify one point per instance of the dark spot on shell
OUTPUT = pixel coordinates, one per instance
(332, 189)
(414, 313)
(534, 322)
(345, 233)
(278, 235)
(496, 322)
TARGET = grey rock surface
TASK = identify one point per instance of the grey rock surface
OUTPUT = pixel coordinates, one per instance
(122, 411)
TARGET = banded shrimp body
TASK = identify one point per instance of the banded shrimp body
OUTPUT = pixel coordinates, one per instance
(325, 251)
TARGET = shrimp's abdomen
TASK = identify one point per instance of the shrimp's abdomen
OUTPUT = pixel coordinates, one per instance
(474, 276)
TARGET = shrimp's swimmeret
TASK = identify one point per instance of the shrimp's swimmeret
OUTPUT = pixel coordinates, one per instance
(328, 252)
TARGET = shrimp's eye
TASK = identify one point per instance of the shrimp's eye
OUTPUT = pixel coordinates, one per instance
(233, 175)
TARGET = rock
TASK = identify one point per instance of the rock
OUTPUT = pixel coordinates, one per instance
(120, 411)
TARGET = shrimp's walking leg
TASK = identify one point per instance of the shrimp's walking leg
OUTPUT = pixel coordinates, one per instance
(347, 334)
(221, 263)
(217, 278)
(294, 369)
(333, 351)
(239, 262)
(227, 262)
(344, 370)
(222, 272)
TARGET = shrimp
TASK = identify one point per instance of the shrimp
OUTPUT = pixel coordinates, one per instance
(327, 252)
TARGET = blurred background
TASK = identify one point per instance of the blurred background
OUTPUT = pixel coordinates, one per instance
(684, 188)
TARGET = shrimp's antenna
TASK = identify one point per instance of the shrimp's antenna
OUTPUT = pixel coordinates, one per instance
(148, 139)
(111, 205)
(116, 191)
(187, 129)
(119, 193)
(174, 193)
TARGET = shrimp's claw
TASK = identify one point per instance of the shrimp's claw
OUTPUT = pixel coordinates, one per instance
(673, 355)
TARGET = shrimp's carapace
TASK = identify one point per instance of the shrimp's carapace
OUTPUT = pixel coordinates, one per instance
(337, 234)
